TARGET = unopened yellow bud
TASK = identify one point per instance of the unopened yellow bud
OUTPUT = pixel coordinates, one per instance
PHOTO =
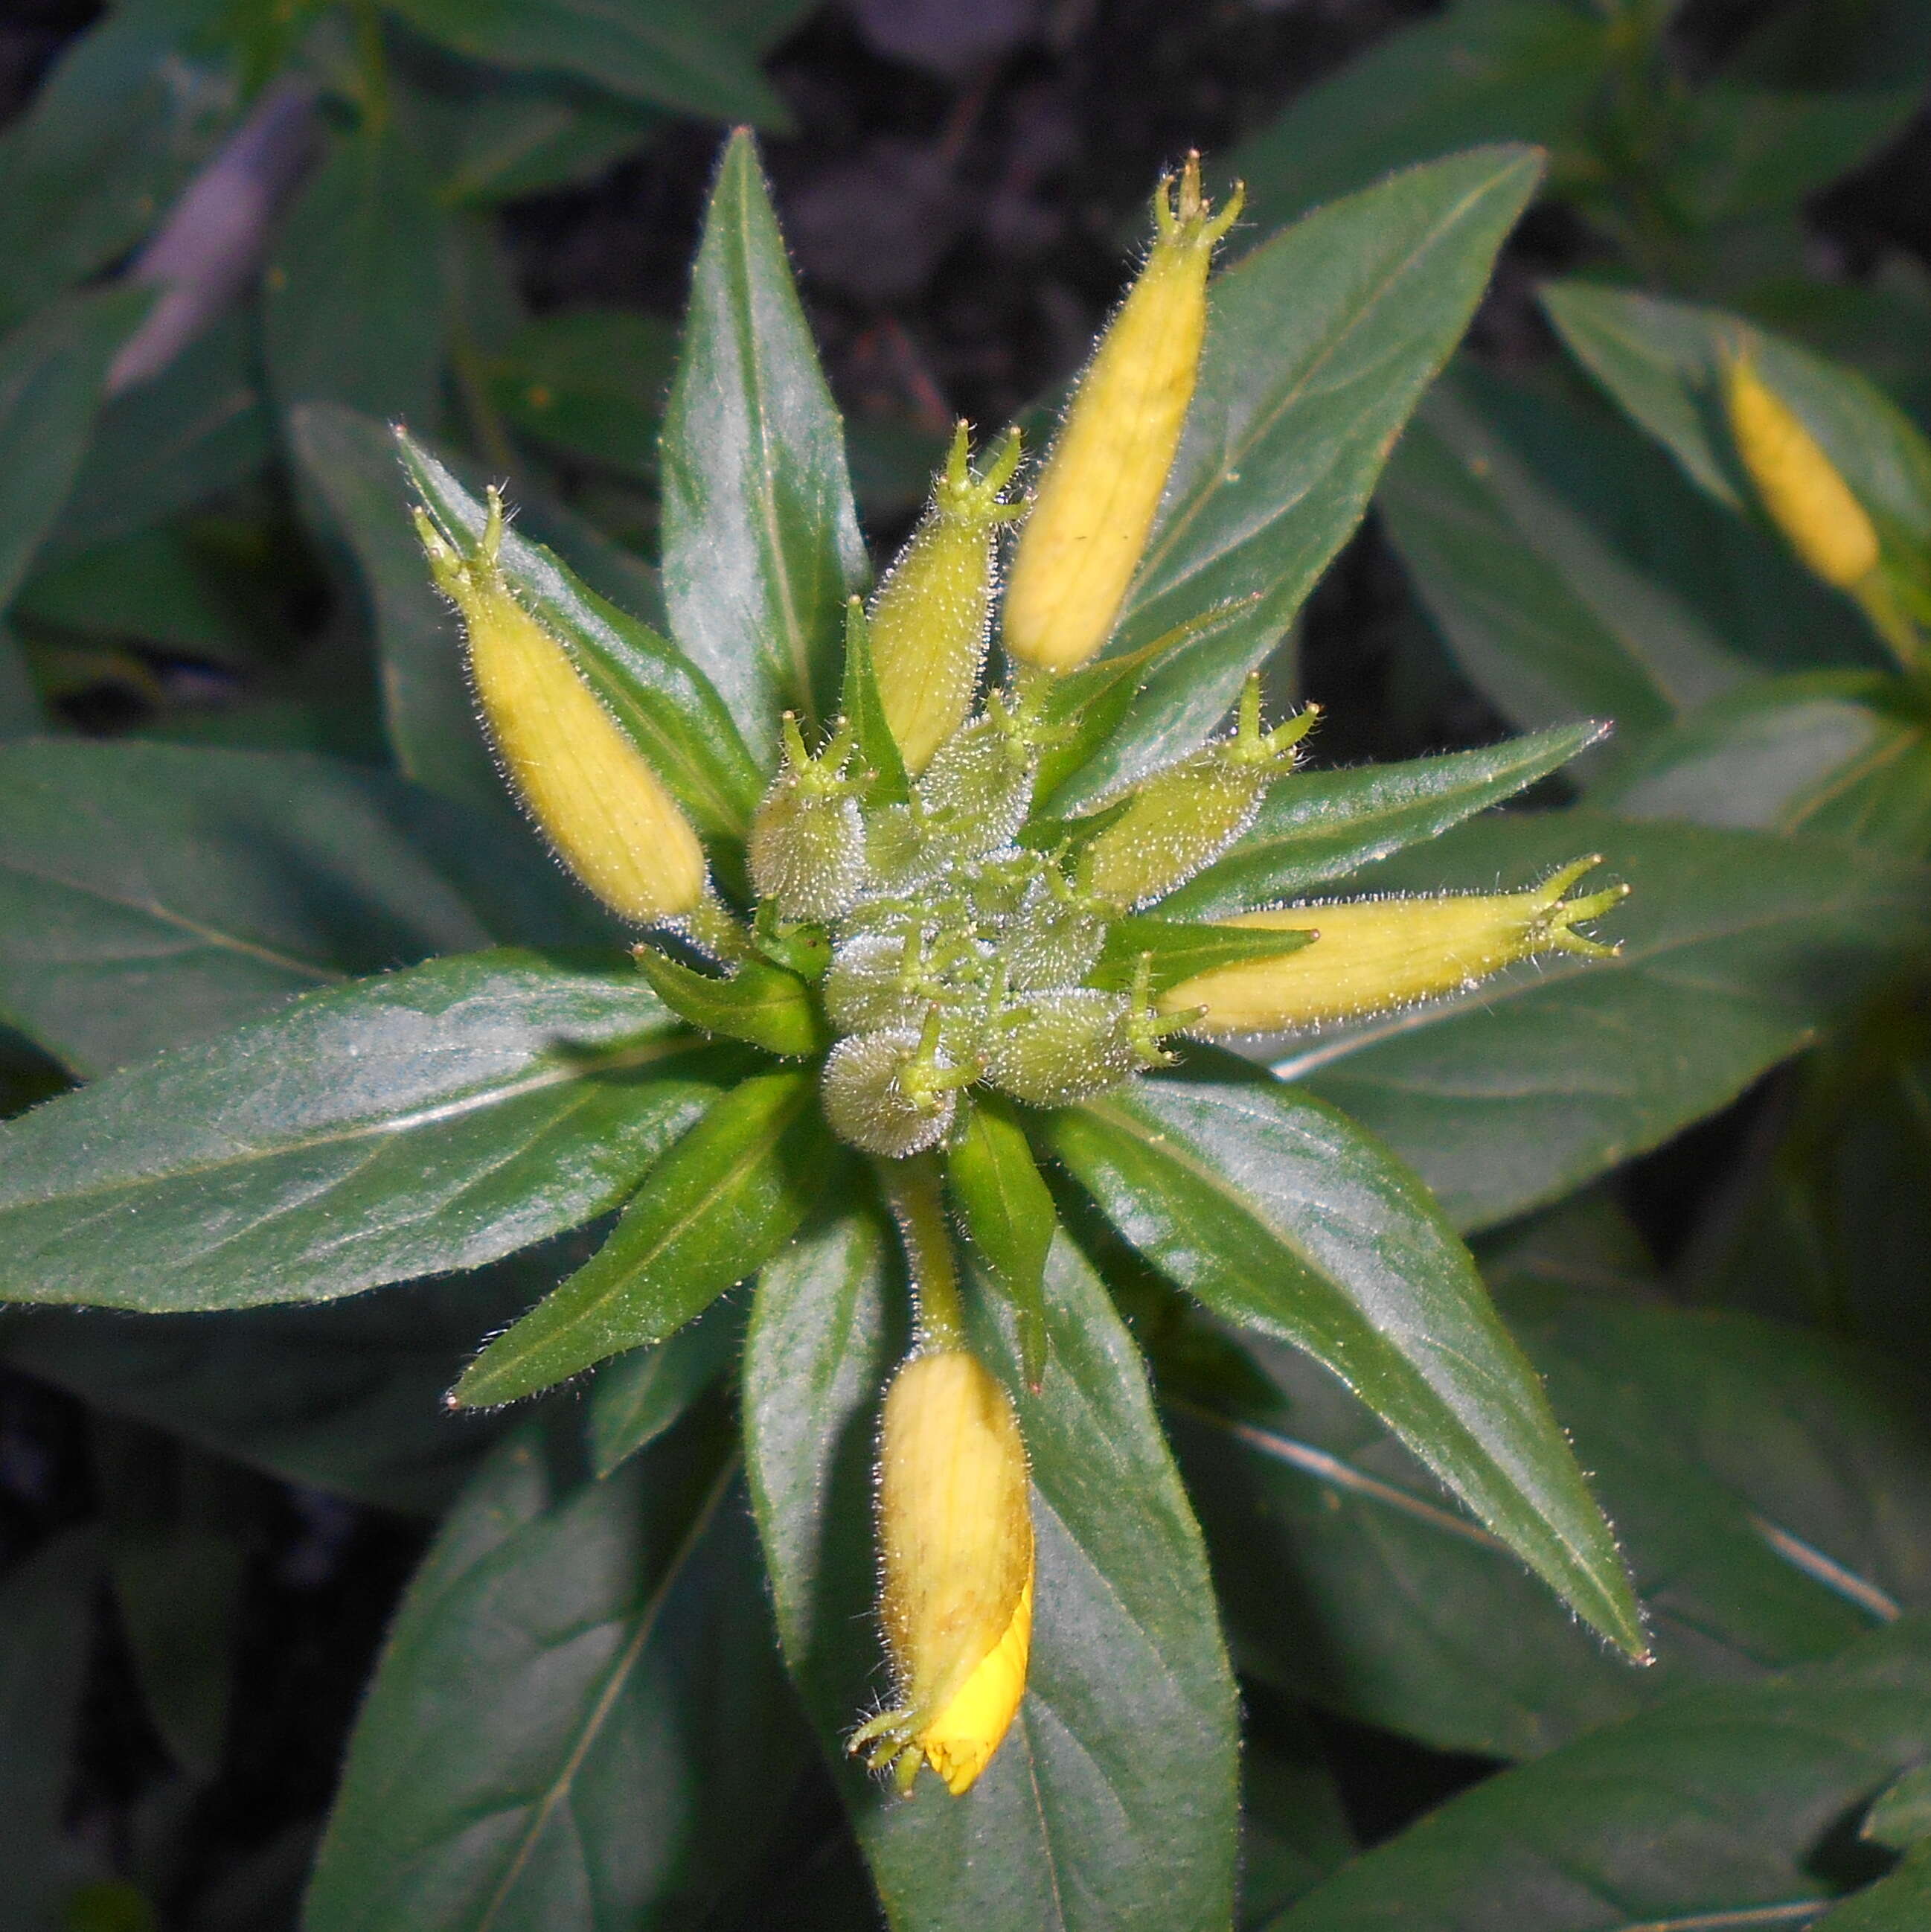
(1102, 483)
(929, 618)
(955, 1530)
(1802, 490)
(1374, 954)
(590, 790)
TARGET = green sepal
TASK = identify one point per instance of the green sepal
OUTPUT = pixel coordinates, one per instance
(712, 1211)
(880, 766)
(1007, 1213)
(804, 949)
(1178, 950)
(765, 1005)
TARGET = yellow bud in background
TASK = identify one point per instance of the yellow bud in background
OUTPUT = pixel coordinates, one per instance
(1103, 480)
(1374, 954)
(590, 789)
(955, 1532)
(930, 616)
(1802, 490)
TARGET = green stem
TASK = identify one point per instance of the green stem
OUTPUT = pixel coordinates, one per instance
(914, 1191)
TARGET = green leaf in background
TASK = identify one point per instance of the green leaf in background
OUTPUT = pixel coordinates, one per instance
(1541, 612)
(1317, 827)
(1484, 70)
(344, 1396)
(1661, 360)
(52, 370)
(1110, 1806)
(20, 713)
(761, 544)
(668, 53)
(1844, 753)
(510, 141)
(1281, 1215)
(711, 1211)
(1293, 1831)
(1900, 1901)
(1006, 1212)
(1320, 343)
(1738, 947)
(875, 750)
(579, 1719)
(659, 698)
(199, 427)
(151, 894)
(47, 1628)
(591, 382)
(1712, 1807)
(353, 309)
(113, 134)
(437, 1118)
(638, 1395)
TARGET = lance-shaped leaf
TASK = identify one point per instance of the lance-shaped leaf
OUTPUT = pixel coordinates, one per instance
(875, 749)
(1736, 947)
(1320, 342)
(765, 1005)
(1321, 826)
(1708, 1811)
(1007, 1213)
(153, 894)
(579, 1719)
(730, 1193)
(437, 1118)
(1110, 1806)
(761, 545)
(1175, 949)
(1280, 1215)
(662, 699)
(639, 1396)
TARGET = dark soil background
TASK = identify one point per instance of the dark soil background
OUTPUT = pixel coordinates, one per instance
(954, 197)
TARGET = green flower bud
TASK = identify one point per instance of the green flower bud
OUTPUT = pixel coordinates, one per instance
(807, 840)
(975, 794)
(893, 1093)
(1184, 818)
(929, 618)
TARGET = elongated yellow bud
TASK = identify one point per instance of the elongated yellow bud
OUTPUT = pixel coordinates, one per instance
(956, 1529)
(1374, 954)
(930, 616)
(590, 789)
(1102, 483)
(1802, 490)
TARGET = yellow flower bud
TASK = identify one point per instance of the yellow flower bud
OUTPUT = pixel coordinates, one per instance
(1374, 954)
(1801, 488)
(929, 617)
(590, 790)
(1103, 482)
(955, 1530)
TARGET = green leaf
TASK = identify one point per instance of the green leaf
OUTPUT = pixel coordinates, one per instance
(667, 53)
(1710, 1807)
(353, 312)
(1541, 609)
(638, 1395)
(20, 713)
(1318, 827)
(765, 1005)
(1900, 1901)
(1178, 950)
(1484, 70)
(1293, 1831)
(513, 141)
(1007, 1214)
(1900, 1815)
(1280, 1215)
(150, 894)
(157, 586)
(579, 1719)
(710, 1212)
(111, 136)
(1320, 344)
(346, 1396)
(52, 370)
(198, 428)
(1662, 361)
(761, 545)
(1844, 753)
(1111, 1803)
(434, 1119)
(662, 699)
(590, 381)
(875, 750)
(1737, 948)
